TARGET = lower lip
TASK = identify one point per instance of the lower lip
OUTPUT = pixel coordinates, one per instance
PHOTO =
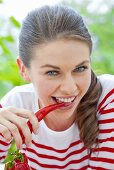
(68, 106)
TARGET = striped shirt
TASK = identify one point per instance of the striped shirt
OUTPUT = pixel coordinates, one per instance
(64, 150)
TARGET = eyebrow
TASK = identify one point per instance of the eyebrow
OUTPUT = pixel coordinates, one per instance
(83, 62)
(49, 65)
(55, 67)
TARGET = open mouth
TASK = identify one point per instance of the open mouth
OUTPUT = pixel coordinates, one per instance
(67, 101)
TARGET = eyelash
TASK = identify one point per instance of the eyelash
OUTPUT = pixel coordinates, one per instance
(52, 73)
(55, 73)
(80, 69)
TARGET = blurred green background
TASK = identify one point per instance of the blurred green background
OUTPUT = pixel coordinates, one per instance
(101, 27)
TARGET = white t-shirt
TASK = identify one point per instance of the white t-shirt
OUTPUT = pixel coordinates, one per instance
(64, 150)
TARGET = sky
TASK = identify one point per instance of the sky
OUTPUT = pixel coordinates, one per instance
(20, 8)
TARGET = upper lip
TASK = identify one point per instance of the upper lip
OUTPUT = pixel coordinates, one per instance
(64, 97)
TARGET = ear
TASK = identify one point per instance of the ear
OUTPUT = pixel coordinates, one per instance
(23, 70)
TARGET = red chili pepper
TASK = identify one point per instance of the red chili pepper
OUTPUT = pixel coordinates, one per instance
(41, 114)
(19, 162)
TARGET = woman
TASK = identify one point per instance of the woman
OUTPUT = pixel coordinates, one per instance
(54, 56)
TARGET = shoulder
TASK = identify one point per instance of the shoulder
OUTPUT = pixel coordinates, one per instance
(106, 101)
(107, 83)
(18, 96)
(106, 106)
(23, 89)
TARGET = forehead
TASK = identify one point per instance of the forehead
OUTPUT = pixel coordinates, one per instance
(61, 45)
(61, 51)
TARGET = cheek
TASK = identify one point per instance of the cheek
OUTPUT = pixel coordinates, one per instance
(85, 83)
(45, 88)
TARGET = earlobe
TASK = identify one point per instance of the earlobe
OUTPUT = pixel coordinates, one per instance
(23, 70)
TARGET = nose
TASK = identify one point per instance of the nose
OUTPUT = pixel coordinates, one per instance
(68, 85)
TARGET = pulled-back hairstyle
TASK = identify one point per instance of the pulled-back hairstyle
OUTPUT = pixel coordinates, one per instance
(47, 24)
(50, 23)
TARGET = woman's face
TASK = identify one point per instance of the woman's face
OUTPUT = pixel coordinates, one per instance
(61, 72)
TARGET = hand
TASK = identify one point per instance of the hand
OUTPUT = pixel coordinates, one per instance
(14, 119)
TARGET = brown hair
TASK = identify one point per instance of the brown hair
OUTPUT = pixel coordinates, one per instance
(86, 117)
(49, 23)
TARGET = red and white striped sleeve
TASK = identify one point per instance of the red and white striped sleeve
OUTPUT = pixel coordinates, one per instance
(4, 146)
(102, 157)
(15, 97)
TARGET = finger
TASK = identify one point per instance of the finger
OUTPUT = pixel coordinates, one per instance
(14, 124)
(21, 124)
(34, 122)
(5, 132)
(26, 114)
(13, 131)
(20, 112)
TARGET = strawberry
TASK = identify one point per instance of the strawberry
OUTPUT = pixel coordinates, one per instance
(9, 165)
(19, 162)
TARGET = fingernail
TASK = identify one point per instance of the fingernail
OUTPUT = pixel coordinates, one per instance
(19, 147)
(36, 133)
(29, 144)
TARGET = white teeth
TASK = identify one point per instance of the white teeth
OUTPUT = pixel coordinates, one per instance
(66, 100)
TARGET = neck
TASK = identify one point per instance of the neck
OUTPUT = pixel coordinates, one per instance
(57, 124)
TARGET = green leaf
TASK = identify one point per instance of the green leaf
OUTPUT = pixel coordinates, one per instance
(13, 148)
(15, 22)
(9, 38)
(9, 165)
(5, 49)
(9, 72)
(1, 1)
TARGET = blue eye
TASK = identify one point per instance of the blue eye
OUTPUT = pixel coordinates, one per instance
(52, 73)
(80, 69)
